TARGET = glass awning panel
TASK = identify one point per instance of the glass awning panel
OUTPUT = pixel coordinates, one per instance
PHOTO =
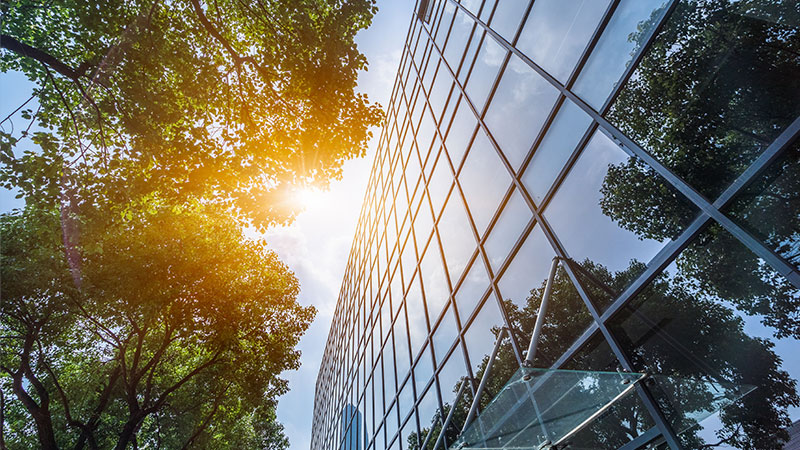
(544, 409)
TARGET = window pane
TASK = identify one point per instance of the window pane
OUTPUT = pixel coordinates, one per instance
(769, 207)
(529, 267)
(434, 280)
(507, 16)
(484, 71)
(462, 26)
(557, 32)
(611, 212)
(518, 109)
(614, 51)
(461, 131)
(481, 334)
(417, 321)
(445, 334)
(556, 147)
(507, 230)
(457, 238)
(719, 83)
(484, 181)
(471, 290)
(719, 314)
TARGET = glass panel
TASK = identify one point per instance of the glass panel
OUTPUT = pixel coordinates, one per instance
(539, 405)
(554, 151)
(557, 32)
(469, 57)
(445, 334)
(417, 320)
(484, 181)
(440, 90)
(444, 24)
(429, 420)
(460, 133)
(434, 280)
(440, 182)
(406, 399)
(472, 288)
(719, 83)
(462, 26)
(721, 315)
(458, 241)
(518, 109)
(484, 71)
(769, 207)
(616, 48)
(507, 16)
(481, 335)
(402, 356)
(605, 219)
(529, 267)
(423, 371)
(504, 234)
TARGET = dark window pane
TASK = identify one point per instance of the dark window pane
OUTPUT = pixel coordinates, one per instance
(552, 154)
(720, 82)
(719, 314)
(557, 31)
(770, 207)
(612, 213)
(518, 109)
(614, 51)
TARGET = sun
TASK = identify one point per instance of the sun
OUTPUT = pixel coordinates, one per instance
(308, 198)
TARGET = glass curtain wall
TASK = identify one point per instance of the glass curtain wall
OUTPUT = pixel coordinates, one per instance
(651, 147)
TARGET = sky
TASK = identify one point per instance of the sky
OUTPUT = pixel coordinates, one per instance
(317, 244)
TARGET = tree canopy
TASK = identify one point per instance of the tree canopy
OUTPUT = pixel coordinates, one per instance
(136, 312)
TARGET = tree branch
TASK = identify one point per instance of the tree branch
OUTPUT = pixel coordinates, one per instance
(9, 43)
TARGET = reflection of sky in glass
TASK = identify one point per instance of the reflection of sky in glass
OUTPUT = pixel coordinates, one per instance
(507, 15)
(457, 42)
(445, 334)
(557, 31)
(614, 50)
(507, 229)
(461, 130)
(434, 281)
(575, 215)
(484, 181)
(454, 368)
(479, 337)
(528, 269)
(487, 64)
(456, 235)
(471, 289)
(555, 149)
(518, 109)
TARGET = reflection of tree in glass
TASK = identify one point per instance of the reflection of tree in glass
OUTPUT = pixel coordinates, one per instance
(717, 86)
(696, 325)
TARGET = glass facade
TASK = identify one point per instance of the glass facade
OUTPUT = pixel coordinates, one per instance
(650, 148)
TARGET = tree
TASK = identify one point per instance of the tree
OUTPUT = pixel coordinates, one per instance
(175, 338)
(229, 102)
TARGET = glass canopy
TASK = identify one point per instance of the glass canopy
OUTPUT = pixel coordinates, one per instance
(548, 409)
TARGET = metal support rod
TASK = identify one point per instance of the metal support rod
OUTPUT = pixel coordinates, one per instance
(450, 414)
(473, 409)
(430, 433)
(537, 329)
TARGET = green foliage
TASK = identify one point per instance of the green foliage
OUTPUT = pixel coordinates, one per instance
(176, 337)
(229, 102)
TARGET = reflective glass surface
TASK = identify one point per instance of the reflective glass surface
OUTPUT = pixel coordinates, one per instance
(452, 246)
(557, 32)
(518, 109)
(718, 84)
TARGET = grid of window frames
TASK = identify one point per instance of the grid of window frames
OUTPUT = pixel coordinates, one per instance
(652, 147)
